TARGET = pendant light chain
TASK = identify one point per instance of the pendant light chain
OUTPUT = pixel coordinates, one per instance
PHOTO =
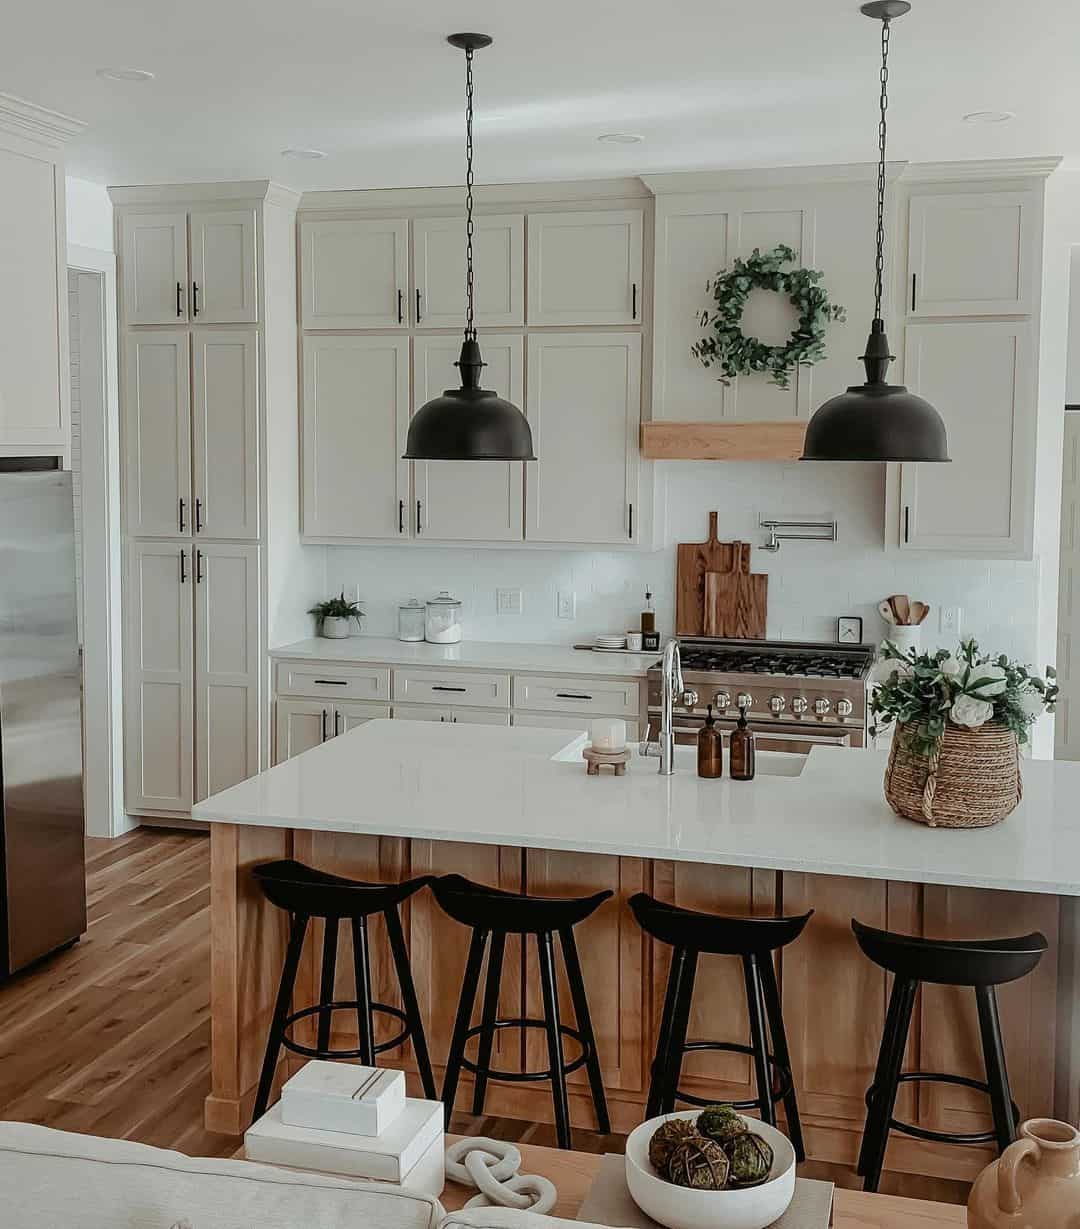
(879, 268)
(470, 327)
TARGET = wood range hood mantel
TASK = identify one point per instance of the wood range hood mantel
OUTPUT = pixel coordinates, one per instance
(723, 441)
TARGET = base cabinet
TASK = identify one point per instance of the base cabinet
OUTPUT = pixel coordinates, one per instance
(303, 724)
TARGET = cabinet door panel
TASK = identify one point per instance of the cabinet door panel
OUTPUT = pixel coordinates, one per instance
(971, 254)
(301, 725)
(157, 433)
(421, 712)
(223, 261)
(356, 414)
(354, 274)
(585, 267)
(158, 677)
(226, 433)
(478, 716)
(584, 406)
(226, 665)
(472, 501)
(155, 268)
(979, 377)
(439, 270)
(348, 716)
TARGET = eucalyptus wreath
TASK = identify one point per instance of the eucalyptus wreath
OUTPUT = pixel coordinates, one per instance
(728, 346)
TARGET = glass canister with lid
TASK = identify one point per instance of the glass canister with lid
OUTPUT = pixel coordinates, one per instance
(410, 620)
(442, 624)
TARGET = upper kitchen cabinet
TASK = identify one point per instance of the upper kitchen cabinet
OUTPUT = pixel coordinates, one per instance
(355, 274)
(355, 420)
(223, 258)
(972, 253)
(468, 501)
(439, 271)
(979, 376)
(155, 261)
(584, 405)
(585, 267)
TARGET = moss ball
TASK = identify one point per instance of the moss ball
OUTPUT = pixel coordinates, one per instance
(720, 1123)
(667, 1136)
(700, 1164)
(751, 1159)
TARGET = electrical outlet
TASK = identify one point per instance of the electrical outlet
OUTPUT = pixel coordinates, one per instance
(949, 621)
(508, 601)
(566, 604)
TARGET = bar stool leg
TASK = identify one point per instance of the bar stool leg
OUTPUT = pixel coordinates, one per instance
(490, 1014)
(870, 1127)
(997, 1076)
(414, 1021)
(584, 1024)
(461, 1021)
(762, 1074)
(663, 1041)
(326, 986)
(890, 1062)
(774, 1012)
(686, 961)
(297, 931)
(545, 951)
(365, 1024)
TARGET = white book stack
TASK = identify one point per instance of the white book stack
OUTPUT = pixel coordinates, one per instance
(338, 1118)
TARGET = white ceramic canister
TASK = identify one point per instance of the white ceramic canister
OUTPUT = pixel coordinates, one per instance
(906, 637)
(442, 624)
(411, 620)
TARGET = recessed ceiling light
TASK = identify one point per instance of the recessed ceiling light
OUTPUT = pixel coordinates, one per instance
(305, 155)
(988, 117)
(125, 74)
(621, 138)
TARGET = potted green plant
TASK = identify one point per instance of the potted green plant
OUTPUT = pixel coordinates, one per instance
(961, 719)
(335, 616)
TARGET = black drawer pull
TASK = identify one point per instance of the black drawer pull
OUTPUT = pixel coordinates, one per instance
(571, 695)
(332, 682)
(440, 687)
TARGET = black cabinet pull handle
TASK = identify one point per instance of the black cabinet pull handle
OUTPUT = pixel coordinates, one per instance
(401, 307)
(419, 523)
(331, 682)
(418, 315)
(198, 516)
(913, 277)
(181, 514)
(183, 566)
(194, 298)
(337, 723)
(323, 739)
(630, 533)
(571, 695)
(179, 308)
(401, 516)
(198, 567)
(633, 300)
(440, 687)
(907, 523)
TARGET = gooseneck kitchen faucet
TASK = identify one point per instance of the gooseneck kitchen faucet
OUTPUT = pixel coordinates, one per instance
(672, 684)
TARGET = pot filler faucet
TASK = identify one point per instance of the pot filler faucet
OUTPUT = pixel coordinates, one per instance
(672, 684)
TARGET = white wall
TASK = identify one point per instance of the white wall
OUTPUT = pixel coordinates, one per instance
(1072, 375)
(89, 214)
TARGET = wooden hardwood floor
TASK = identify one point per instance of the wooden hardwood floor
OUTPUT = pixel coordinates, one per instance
(112, 1037)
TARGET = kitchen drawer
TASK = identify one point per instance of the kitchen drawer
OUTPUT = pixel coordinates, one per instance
(567, 721)
(611, 697)
(338, 682)
(449, 687)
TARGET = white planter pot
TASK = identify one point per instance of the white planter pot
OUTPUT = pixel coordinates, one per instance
(905, 637)
(336, 629)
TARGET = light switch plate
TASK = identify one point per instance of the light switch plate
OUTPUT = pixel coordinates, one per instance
(566, 604)
(949, 621)
(508, 601)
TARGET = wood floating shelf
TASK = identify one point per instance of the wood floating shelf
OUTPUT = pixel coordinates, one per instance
(723, 441)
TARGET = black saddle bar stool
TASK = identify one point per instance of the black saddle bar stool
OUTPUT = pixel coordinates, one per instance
(304, 893)
(753, 940)
(492, 914)
(981, 964)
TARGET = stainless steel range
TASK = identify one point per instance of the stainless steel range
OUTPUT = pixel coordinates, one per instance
(798, 695)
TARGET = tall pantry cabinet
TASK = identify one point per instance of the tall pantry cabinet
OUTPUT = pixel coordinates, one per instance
(208, 395)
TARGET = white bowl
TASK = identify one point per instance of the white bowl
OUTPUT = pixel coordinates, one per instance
(681, 1207)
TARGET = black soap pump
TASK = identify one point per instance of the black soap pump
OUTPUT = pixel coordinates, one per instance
(742, 750)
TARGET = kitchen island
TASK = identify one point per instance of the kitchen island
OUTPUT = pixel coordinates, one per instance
(513, 807)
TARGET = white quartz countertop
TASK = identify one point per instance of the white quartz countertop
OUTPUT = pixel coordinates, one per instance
(527, 787)
(472, 655)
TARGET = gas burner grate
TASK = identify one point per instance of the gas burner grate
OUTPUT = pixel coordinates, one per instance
(766, 661)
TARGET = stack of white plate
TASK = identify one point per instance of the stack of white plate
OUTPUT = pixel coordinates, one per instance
(611, 642)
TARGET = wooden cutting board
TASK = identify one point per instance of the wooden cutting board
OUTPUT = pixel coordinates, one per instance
(736, 604)
(693, 561)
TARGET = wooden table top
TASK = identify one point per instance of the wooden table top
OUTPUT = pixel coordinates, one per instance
(573, 1174)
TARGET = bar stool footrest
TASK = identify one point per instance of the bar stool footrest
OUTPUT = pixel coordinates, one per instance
(942, 1137)
(782, 1079)
(344, 1005)
(527, 1077)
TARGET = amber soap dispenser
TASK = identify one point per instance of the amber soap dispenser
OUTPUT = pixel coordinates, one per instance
(742, 750)
(710, 749)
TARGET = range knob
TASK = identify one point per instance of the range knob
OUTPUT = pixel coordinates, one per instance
(844, 708)
(745, 700)
(821, 706)
(777, 704)
(799, 705)
(689, 698)
(722, 701)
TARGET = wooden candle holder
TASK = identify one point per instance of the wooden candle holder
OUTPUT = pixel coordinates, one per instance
(606, 759)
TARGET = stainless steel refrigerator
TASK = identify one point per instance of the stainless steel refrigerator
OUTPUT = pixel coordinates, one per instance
(42, 858)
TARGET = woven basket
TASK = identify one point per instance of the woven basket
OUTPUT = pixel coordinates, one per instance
(973, 781)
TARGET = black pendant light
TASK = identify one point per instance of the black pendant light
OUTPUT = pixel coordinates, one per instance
(469, 423)
(876, 421)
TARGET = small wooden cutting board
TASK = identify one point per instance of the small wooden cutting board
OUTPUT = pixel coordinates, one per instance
(736, 604)
(693, 561)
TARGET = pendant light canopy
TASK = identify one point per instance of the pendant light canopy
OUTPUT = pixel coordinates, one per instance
(469, 423)
(876, 421)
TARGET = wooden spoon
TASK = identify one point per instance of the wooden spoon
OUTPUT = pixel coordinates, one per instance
(886, 612)
(919, 611)
(901, 604)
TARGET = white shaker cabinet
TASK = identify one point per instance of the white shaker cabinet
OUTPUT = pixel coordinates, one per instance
(439, 271)
(468, 501)
(154, 254)
(979, 376)
(584, 407)
(354, 274)
(303, 724)
(225, 433)
(157, 433)
(585, 267)
(972, 253)
(354, 428)
(159, 683)
(223, 258)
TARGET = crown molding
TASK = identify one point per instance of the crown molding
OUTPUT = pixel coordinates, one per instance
(743, 178)
(253, 190)
(452, 197)
(981, 169)
(28, 121)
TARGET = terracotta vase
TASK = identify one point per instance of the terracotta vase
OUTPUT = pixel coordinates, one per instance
(1035, 1184)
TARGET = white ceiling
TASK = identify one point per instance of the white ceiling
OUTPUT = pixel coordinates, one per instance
(708, 83)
